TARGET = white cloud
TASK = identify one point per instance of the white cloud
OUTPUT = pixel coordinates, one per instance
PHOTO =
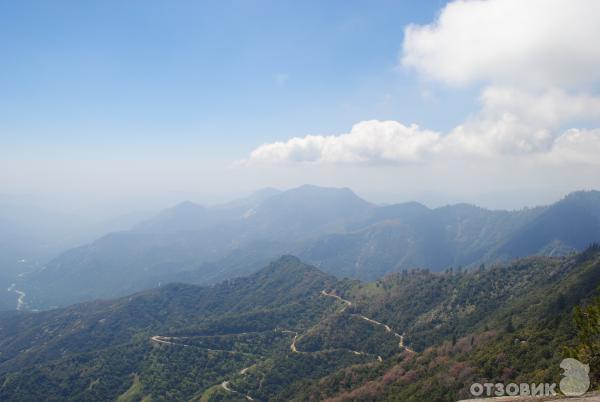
(368, 141)
(510, 122)
(525, 42)
(577, 146)
(536, 58)
(513, 121)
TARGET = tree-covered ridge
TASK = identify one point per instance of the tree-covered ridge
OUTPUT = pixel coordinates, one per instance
(79, 338)
(547, 315)
(172, 343)
(290, 332)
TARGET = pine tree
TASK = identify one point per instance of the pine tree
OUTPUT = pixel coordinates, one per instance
(587, 324)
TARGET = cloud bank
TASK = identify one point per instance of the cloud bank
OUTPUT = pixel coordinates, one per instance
(510, 123)
(523, 42)
(535, 61)
(368, 141)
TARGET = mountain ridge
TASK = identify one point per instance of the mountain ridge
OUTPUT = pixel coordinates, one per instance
(331, 228)
(291, 332)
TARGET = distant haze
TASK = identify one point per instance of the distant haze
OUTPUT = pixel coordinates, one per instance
(110, 108)
(380, 185)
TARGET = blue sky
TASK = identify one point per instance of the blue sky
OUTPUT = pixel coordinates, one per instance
(85, 77)
(123, 99)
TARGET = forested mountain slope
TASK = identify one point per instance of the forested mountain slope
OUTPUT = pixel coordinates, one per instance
(291, 332)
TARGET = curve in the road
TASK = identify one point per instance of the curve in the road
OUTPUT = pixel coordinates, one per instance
(171, 340)
(348, 303)
(20, 296)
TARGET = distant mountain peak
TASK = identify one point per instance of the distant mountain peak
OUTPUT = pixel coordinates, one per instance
(337, 194)
(315, 188)
(186, 205)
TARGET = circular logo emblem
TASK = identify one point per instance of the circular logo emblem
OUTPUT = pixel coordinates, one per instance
(576, 380)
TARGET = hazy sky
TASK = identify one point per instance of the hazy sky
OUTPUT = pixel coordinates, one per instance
(494, 102)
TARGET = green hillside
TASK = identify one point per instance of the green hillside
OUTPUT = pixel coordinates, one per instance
(291, 332)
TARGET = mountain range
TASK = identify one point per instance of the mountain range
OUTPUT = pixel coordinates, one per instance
(292, 332)
(331, 228)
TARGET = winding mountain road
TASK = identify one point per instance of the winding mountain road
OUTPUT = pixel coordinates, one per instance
(166, 340)
(348, 303)
(171, 340)
(226, 387)
(20, 296)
